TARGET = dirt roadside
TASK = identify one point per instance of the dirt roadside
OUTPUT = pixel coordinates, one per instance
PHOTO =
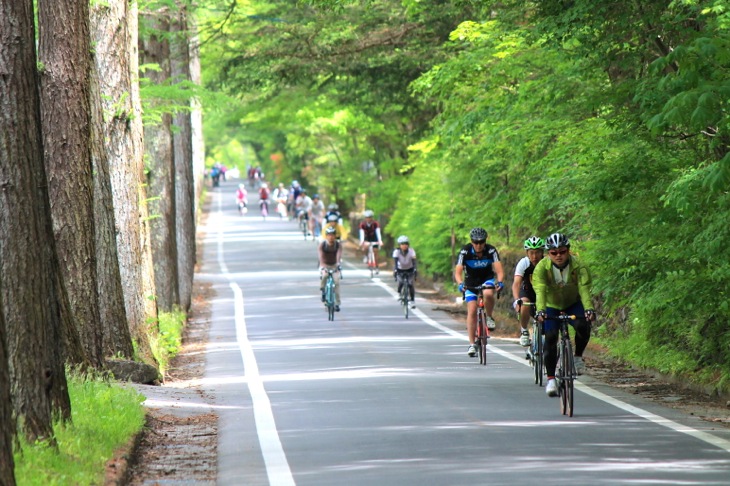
(181, 445)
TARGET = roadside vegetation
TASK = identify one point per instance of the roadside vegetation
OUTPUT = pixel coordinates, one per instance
(105, 417)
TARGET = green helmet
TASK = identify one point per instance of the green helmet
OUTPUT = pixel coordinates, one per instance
(534, 243)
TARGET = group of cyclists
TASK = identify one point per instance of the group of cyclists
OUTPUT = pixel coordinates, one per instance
(542, 287)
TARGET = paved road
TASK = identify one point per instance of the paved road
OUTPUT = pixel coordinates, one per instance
(373, 398)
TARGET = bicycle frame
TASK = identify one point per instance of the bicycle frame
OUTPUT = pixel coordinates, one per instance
(329, 294)
(405, 292)
(372, 264)
(482, 331)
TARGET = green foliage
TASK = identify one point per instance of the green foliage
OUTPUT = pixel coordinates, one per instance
(606, 120)
(104, 417)
(166, 343)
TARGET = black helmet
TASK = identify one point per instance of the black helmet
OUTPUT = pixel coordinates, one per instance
(556, 240)
(478, 234)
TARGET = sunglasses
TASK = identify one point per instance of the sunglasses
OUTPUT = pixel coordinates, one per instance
(558, 252)
(480, 242)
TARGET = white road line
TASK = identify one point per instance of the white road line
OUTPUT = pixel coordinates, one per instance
(277, 466)
(657, 419)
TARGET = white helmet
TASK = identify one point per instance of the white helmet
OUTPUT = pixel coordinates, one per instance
(368, 213)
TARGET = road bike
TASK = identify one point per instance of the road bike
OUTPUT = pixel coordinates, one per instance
(304, 225)
(535, 351)
(329, 293)
(404, 278)
(264, 205)
(370, 260)
(482, 331)
(565, 371)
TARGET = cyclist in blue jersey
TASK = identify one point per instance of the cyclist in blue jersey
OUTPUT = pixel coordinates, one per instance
(478, 264)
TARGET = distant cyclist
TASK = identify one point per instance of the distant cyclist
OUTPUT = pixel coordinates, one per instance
(302, 205)
(264, 194)
(522, 290)
(478, 264)
(333, 222)
(562, 284)
(404, 267)
(241, 198)
(330, 258)
(370, 235)
(316, 216)
(334, 210)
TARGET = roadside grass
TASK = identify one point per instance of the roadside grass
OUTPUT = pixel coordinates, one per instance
(166, 343)
(105, 417)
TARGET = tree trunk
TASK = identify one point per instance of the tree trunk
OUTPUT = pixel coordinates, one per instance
(114, 30)
(183, 147)
(28, 299)
(7, 424)
(196, 122)
(161, 174)
(64, 51)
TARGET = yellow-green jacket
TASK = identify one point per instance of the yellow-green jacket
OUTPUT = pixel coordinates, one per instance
(577, 285)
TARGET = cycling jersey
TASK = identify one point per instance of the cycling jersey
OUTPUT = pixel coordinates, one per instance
(404, 261)
(477, 270)
(330, 255)
(524, 269)
(561, 288)
(370, 232)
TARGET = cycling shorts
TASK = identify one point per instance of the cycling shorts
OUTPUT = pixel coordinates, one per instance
(470, 296)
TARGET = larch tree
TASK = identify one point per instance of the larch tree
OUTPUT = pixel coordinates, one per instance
(183, 156)
(65, 53)
(114, 33)
(29, 300)
(155, 50)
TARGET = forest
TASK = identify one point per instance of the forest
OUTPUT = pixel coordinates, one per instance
(605, 120)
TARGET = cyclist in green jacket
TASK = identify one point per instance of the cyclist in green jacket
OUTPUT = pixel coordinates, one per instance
(562, 284)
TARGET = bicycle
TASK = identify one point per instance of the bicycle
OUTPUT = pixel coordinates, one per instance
(304, 225)
(264, 205)
(405, 291)
(482, 331)
(372, 264)
(329, 293)
(535, 352)
(565, 373)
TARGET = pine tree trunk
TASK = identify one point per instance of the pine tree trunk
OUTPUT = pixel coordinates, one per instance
(29, 301)
(64, 51)
(196, 122)
(114, 30)
(7, 424)
(161, 175)
(183, 154)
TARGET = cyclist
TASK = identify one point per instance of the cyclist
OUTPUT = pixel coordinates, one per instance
(241, 198)
(478, 263)
(301, 206)
(562, 284)
(334, 210)
(404, 267)
(522, 290)
(330, 258)
(370, 236)
(333, 222)
(316, 214)
(264, 195)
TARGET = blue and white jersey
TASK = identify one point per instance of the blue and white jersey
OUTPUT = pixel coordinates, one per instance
(477, 269)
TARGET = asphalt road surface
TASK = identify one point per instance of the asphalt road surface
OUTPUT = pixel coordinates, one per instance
(374, 399)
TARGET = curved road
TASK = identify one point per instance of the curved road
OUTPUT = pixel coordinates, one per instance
(373, 398)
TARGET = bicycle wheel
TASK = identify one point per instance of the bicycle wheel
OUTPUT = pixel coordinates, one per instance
(371, 261)
(561, 377)
(329, 298)
(537, 353)
(264, 209)
(481, 340)
(569, 379)
(404, 298)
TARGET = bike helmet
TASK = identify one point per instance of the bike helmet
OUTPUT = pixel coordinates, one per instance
(333, 207)
(368, 213)
(478, 234)
(264, 185)
(316, 196)
(534, 243)
(556, 240)
(332, 218)
(330, 230)
(403, 240)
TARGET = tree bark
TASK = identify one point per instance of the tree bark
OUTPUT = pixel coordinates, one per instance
(183, 153)
(114, 31)
(29, 302)
(7, 424)
(161, 174)
(65, 53)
